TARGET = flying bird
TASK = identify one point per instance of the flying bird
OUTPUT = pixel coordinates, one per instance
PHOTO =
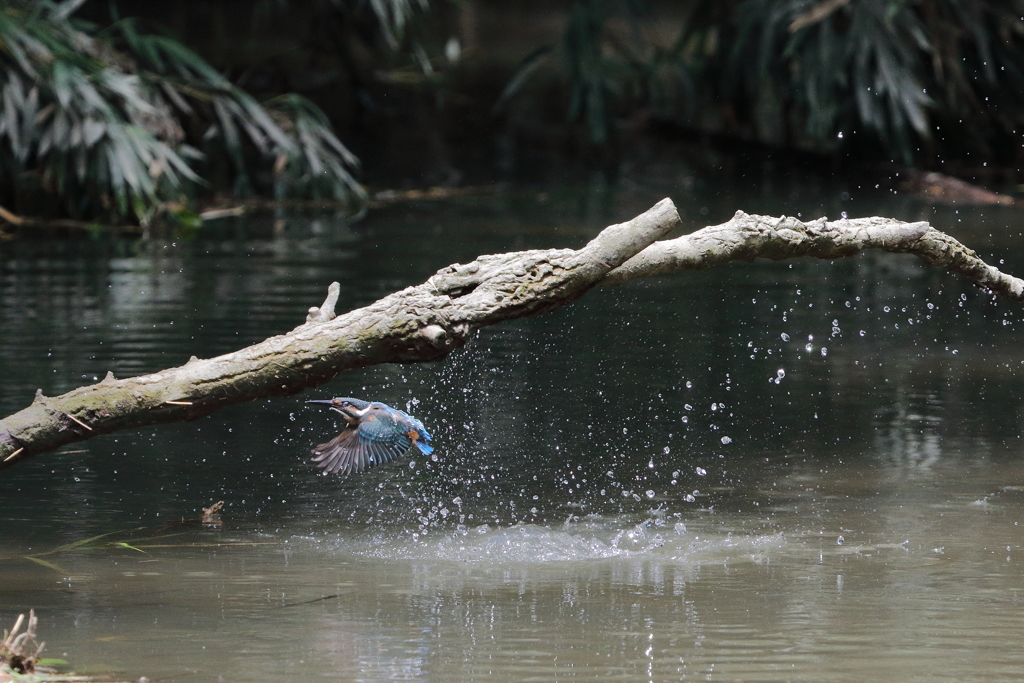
(374, 433)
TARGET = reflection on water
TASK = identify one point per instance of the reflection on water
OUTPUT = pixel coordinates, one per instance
(765, 472)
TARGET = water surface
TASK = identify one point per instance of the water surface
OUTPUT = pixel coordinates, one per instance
(765, 472)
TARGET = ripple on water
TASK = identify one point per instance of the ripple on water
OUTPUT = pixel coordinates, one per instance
(536, 544)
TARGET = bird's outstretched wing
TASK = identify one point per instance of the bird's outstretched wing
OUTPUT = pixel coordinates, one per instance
(360, 447)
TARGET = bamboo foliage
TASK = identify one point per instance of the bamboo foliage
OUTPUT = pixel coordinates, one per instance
(610, 66)
(104, 118)
(319, 163)
(889, 67)
(894, 70)
(857, 64)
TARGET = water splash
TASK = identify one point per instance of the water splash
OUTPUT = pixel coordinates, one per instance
(585, 540)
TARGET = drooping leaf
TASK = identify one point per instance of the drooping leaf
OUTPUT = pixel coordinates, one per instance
(96, 112)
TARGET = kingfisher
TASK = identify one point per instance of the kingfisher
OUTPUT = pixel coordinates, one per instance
(374, 433)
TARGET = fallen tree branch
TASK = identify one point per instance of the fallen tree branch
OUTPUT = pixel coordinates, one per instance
(421, 323)
(747, 237)
(428, 321)
(12, 218)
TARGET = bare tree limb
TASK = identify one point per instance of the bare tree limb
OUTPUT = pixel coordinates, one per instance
(420, 323)
(428, 321)
(747, 237)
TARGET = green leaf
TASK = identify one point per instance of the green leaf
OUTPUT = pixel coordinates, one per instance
(131, 547)
(85, 541)
(48, 565)
(52, 662)
(529, 66)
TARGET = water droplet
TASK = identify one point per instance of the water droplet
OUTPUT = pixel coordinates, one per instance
(680, 528)
(824, 351)
(785, 337)
(714, 406)
(843, 214)
(625, 431)
(885, 308)
(862, 333)
(701, 472)
(839, 541)
(650, 494)
(650, 464)
(685, 418)
(689, 384)
(688, 406)
(675, 475)
(666, 451)
(726, 440)
(809, 348)
(689, 498)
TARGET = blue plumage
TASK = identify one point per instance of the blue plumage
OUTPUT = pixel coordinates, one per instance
(374, 433)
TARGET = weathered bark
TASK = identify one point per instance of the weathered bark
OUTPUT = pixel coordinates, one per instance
(747, 237)
(428, 321)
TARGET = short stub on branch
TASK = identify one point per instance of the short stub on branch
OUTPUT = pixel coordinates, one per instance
(325, 311)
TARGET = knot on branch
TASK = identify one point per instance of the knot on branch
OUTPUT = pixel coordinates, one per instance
(325, 312)
(440, 338)
(7, 439)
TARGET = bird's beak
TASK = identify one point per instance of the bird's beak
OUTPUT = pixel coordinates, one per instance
(349, 417)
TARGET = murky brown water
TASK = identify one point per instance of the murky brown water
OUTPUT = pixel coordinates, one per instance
(624, 490)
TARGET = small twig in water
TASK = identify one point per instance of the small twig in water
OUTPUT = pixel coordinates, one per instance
(310, 602)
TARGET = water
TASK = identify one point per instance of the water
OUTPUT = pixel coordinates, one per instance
(763, 472)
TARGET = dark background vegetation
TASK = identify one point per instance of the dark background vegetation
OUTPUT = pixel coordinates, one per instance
(445, 93)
